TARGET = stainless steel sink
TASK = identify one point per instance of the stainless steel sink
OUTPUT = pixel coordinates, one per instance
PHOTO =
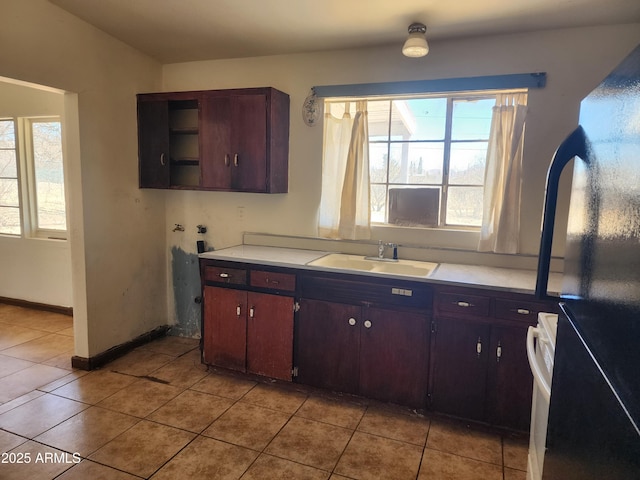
(342, 261)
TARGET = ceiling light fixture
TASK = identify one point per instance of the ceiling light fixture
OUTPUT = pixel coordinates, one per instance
(416, 45)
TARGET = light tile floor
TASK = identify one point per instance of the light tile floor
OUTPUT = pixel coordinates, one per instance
(158, 413)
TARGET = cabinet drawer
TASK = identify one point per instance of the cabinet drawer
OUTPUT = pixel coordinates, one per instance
(518, 310)
(275, 280)
(365, 292)
(234, 276)
(464, 304)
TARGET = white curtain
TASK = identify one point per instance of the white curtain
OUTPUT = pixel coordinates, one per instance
(344, 205)
(503, 176)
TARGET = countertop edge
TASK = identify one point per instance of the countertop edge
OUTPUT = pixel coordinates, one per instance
(255, 256)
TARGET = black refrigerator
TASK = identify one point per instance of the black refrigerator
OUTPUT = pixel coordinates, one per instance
(594, 413)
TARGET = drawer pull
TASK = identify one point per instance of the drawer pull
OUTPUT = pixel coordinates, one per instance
(464, 304)
(352, 321)
(523, 311)
(273, 282)
(225, 275)
(367, 324)
(479, 346)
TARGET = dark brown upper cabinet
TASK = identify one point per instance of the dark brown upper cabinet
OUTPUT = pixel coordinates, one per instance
(229, 140)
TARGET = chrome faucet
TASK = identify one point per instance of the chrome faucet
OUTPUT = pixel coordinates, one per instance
(381, 249)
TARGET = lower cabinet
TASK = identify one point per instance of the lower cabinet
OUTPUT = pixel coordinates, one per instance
(479, 366)
(480, 372)
(248, 331)
(451, 349)
(459, 367)
(375, 352)
(328, 345)
(509, 379)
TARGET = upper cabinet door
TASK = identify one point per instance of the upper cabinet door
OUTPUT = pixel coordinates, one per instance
(249, 142)
(216, 142)
(153, 144)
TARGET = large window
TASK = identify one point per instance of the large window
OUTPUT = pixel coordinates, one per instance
(32, 196)
(427, 157)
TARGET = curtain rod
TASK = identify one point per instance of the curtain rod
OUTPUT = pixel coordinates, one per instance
(492, 82)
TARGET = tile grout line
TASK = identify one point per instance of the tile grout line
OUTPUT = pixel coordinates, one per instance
(333, 470)
(424, 448)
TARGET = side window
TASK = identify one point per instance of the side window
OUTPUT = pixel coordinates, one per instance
(46, 179)
(32, 192)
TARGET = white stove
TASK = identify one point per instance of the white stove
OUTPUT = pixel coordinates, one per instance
(541, 345)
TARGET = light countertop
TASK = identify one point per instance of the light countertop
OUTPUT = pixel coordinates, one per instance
(275, 256)
(506, 279)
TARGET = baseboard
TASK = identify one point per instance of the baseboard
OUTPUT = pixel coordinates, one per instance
(37, 306)
(107, 356)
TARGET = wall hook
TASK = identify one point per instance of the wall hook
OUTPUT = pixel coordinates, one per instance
(178, 228)
(201, 229)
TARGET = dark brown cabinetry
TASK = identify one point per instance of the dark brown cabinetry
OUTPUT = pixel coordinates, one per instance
(248, 331)
(168, 140)
(458, 372)
(479, 364)
(328, 344)
(364, 345)
(234, 140)
(454, 350)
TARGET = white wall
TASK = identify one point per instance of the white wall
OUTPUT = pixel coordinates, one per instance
(34, 269)
(575, 61)
(116, 230)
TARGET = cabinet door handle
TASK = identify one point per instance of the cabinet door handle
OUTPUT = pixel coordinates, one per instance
(498, 352)
(479, 346)
(464, 304)
(252, 312)
(235, 160)
(227, 162)
(238, 311)
(352, 321)
(163, 162)
(367, 324)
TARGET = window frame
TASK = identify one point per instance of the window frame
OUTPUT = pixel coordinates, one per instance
(447, 142)
(33, 220)
(27, 187)
(17, 148)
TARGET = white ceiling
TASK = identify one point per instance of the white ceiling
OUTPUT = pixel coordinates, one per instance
(185, 30)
